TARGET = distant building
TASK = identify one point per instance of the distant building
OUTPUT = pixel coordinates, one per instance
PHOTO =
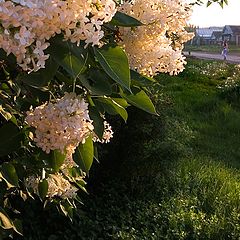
(206, 36)
(231, 33)
(216, 37)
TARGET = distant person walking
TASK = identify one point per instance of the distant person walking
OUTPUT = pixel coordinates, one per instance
(225, 50)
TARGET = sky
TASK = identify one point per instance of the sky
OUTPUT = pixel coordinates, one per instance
(214, 15)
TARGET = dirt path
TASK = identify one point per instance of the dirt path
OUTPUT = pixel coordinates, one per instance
(202, 55)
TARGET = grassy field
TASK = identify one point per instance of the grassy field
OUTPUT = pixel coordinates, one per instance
(206, 96)
(172, 176)
(233, 49)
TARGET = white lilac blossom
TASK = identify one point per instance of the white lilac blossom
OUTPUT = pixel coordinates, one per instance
(61, 125)
(58, 186)
(156, 46)
(107, 134)
(27, 25)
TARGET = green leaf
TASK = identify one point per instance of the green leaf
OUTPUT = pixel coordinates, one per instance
(63, 78)
(221, 4)
(10, 59)
(5, 221)
(114, 61)
(9, 174)
(97, 82)
(209, 3)
(42, 77)
(122, 102)
(14, 120)
(124, 20)
(17, 226)
(5, 114)
(75, 172)
(56, 160)
(96, 86)
(73, 65)
(34, 80)
(43, 188)
(83, 155)
(81, 184)
(11, 138)
(63, 53)
(141, 80)
(20, 168)
(113, 107)
(67, 209)
(97, 121)
(50, 69)
(140, 99)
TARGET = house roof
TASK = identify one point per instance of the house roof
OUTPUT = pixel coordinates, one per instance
(204, 32)
(235, 29)
(207, 32)
(216, 35)
(231, 29)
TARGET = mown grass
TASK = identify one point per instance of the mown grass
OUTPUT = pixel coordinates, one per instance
(172, 176)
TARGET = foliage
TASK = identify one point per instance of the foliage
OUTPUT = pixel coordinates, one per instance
(173, 176)
(222, 3)
(65, 69)
(53, 119)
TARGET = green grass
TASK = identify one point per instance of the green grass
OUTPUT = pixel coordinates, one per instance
(233, 49)
(213, 117)
(172, 176)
